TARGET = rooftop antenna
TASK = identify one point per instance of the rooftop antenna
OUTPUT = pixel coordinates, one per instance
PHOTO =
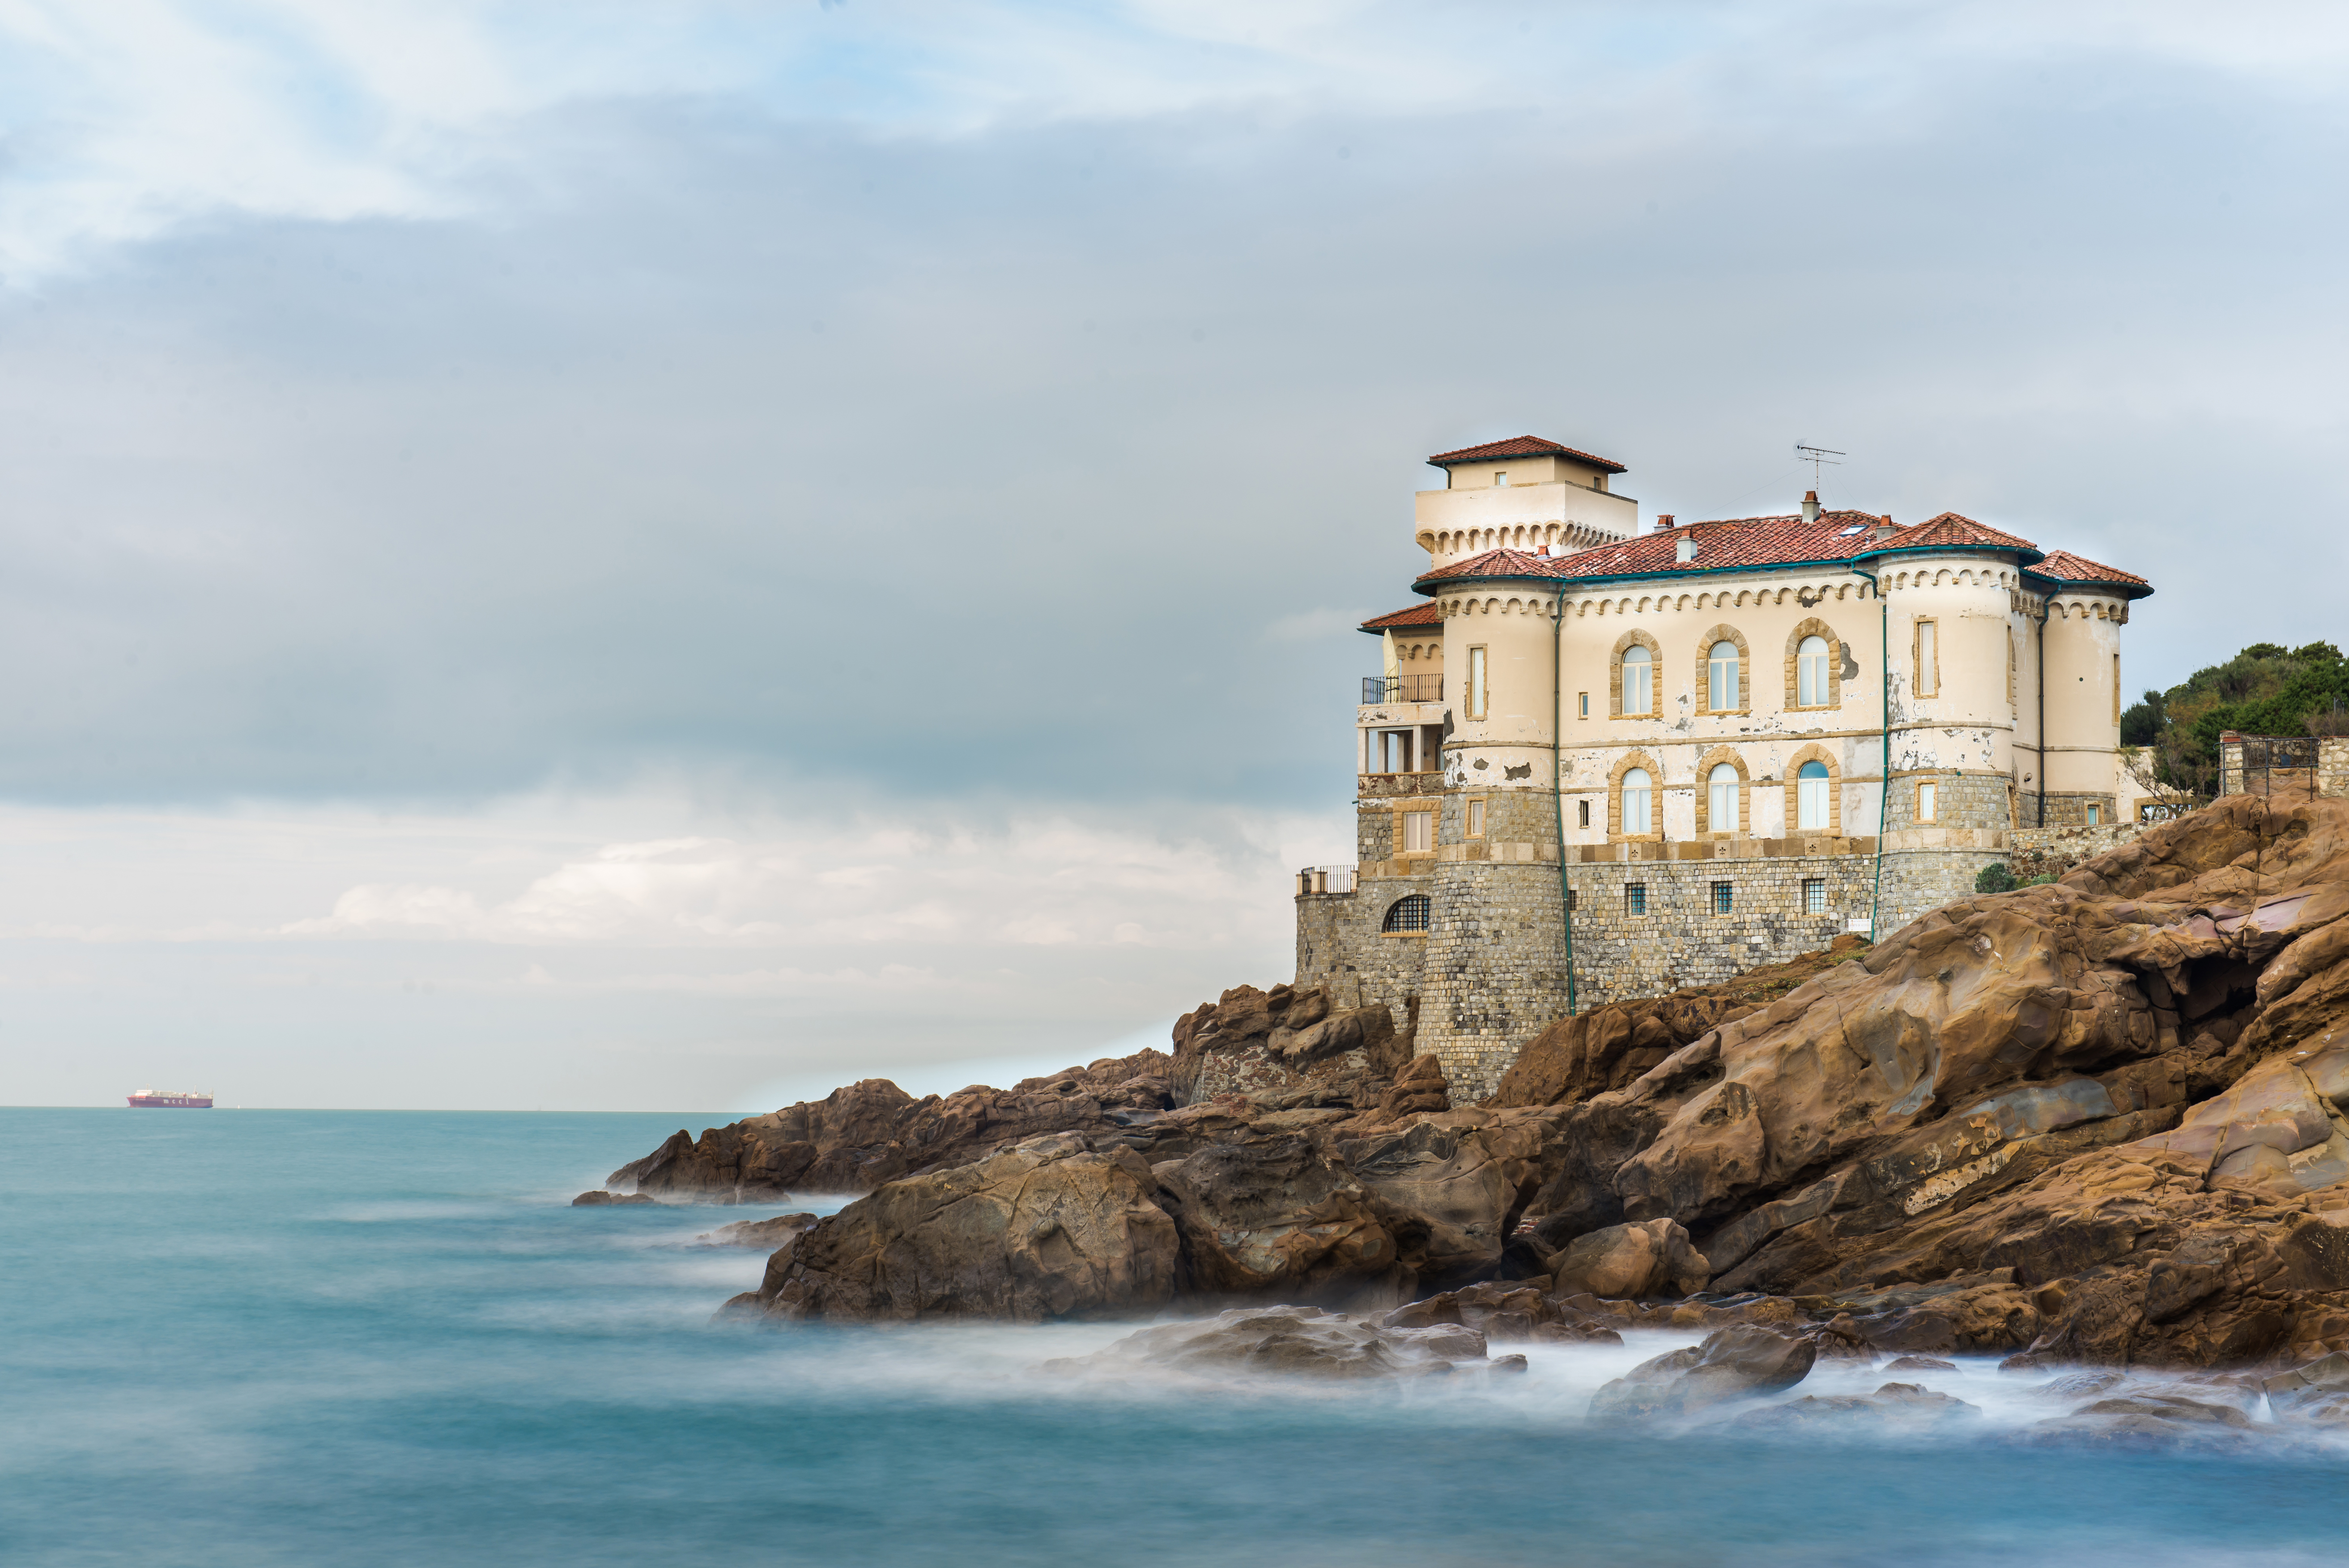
(1819, 457)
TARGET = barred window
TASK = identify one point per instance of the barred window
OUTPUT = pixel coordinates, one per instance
(1815, 895)
(1635, 898)
(1409, 913)
(1722, 898)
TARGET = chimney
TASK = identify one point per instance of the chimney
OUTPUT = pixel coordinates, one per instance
(1810, 506)
(1684, 548)
(1663, 523)
(1885, 529)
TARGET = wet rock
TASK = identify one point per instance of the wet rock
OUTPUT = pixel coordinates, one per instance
(1918, 1364)
(1503, 1314)
(1290, 1342)
(1651, 1258)
(1895, 1408)
(1045, 1230)
(599, 1199)
(2147, 1420)
(1734, 1364)
(765, 1234)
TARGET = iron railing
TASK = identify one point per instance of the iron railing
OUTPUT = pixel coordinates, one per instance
(2264, 757)
(1325, 880)
(1402, 689)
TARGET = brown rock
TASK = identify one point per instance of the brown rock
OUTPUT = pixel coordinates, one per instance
(1730, 1364)
(1274, 1217)
(598, 1198)
(1288, 1342)
(1636, 1260)
(1045, 1230)
(765, 1234)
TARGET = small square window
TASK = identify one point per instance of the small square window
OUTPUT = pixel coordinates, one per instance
(1475, 819)
(1582, 813)
(1635, 898)
(1418, 833)
(2095, 816)
(1724, 899)
(1815, 895)
(1501, 477)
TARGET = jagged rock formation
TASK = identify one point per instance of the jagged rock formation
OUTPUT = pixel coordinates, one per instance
(2103, 1120)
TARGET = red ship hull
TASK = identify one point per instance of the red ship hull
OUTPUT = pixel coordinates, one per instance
(174, 1101)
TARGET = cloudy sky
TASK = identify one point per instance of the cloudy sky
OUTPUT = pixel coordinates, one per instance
(609, 556)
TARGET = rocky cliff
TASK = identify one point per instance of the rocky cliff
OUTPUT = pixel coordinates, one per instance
(2106, 1119)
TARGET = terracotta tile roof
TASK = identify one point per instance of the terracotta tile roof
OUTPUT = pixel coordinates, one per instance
(1501, 563)
(1751, 542)
(1417, 615)
(1523, 447)
(1949, 530)
(2062, 566)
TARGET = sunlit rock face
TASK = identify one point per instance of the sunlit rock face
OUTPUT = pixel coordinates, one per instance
(2104, 1120)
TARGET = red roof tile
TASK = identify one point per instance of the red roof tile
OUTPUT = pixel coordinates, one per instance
(2062, 566)
(1417, 615)
(1951, 530)
(1523, 447)
(1760, 541)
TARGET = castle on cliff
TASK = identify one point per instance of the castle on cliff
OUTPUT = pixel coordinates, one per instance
(1599, 763)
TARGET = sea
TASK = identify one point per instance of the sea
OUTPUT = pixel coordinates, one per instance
(261, 1337)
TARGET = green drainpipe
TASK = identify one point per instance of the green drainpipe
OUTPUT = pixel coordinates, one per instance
(1558, 783)
(1884, 767)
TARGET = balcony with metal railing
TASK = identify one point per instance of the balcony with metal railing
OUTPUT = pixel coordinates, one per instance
(1315, 881)
(1402, 688)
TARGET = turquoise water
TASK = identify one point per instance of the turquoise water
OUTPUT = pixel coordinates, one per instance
(266, 1337)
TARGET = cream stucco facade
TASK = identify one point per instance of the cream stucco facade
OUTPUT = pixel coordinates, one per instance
(1770, 712)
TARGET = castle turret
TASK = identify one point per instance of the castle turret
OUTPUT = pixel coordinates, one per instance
(1525, 493)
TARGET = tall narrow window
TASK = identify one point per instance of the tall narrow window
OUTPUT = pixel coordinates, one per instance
(1582, 813)
(1639, 800)
(1639, 680)
(1418, 833)
(2009, 666)
(1811, 786)
(1722, 666)
(1582, 705)
(1476, 683)
(1721, 799)
(1929, 668)
(1928, 801)
(2095, 815)
(1811, 687)
(2117, 688)
(1475, 819)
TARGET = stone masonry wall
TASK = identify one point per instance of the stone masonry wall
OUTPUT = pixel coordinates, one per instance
(1963, 801)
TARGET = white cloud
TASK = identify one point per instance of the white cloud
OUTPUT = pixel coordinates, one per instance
(128, 119)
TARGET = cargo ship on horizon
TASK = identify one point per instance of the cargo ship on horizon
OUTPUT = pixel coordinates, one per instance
(164, 1098)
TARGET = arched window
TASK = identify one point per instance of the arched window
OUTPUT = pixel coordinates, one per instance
(1722, 667)
(1408, 913)
(1811, 687)
(1721, 799)
(1811, 786)
(1638, 798)
(1639, 680)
